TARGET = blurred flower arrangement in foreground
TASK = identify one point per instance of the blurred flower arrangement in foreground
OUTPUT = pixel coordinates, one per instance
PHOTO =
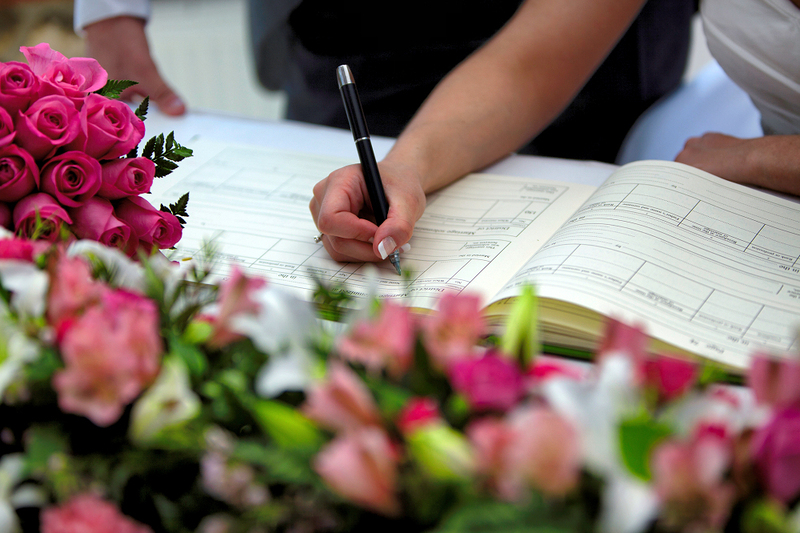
(137, 398)
(69, 160)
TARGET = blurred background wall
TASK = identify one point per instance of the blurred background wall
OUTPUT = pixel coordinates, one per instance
(199, 45)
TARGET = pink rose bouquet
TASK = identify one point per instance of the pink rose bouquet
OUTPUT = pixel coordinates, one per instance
(64, 135)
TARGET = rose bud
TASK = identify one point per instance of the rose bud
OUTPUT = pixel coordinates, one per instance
(149, 225)
(71, 178)
(7, 130)
(110, 128)
(74, 77)
(40, 216)
(95, 220)
(19, 174)
(19, 86)
(130, 176)
(49, 123)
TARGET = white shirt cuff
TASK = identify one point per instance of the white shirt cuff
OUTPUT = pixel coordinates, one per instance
(89, 11)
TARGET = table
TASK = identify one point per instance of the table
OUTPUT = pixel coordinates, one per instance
(322, 140)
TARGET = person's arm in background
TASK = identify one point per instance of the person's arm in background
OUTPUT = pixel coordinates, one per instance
(487, 107)
(771, 162)
(115, 36)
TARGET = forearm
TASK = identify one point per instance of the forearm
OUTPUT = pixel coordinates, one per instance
(509, 90)
(772, 162)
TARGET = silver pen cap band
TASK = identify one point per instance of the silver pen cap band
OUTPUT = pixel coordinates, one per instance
(343, 75)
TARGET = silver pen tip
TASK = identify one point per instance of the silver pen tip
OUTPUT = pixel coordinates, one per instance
(395, 259)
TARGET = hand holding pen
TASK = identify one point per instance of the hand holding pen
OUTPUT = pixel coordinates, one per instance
(369, 166)
(339, 203)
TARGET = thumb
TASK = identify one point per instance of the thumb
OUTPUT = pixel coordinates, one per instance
(167, 100)
(393, 235)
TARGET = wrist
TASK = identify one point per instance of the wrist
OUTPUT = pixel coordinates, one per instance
(429, 162)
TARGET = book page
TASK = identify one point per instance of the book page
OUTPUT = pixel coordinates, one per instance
(709, 266)
(252, 203)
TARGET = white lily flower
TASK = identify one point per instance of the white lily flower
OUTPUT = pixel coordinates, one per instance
(168, 402)
(286, 372)
(28, 285)
(283, 328)
(596, 408)
(11, 469)
(629, 505)
(283, 320)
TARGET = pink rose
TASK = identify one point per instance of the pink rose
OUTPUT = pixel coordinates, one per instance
(88, 513)
(342, 402)
(109, 128)
(7, 131)
(111, 353)
(40, 216)
(384, 341)
(150, 225)
(454, 330)
(5, 216)
(670, 376)
(74, 77)
(491, 382)
(235, 298)
(19, 174)
(72, 288)
(48, 124)
(19, 86)
(776, 451)
(72, 178)
(127, 176)
(362, 467)
(95, 220)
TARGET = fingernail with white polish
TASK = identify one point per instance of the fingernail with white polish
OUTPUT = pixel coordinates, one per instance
(386, 244)
(406, 247)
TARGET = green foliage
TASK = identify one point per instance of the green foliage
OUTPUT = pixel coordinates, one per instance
(281, 465)
(114, 88)
(766, 516)
(165, 152)
(330, 300)
(141, 110)
(538, 516)
(178, 209)
(637, 438)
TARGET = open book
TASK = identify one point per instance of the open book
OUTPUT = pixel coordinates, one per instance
(705, 265)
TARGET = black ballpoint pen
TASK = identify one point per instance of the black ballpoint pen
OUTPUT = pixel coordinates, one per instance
(369, 166)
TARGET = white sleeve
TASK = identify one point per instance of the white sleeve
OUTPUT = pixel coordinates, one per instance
(88, 11)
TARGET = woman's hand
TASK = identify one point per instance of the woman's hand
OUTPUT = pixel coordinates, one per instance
(771, 162)
(341, 200)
